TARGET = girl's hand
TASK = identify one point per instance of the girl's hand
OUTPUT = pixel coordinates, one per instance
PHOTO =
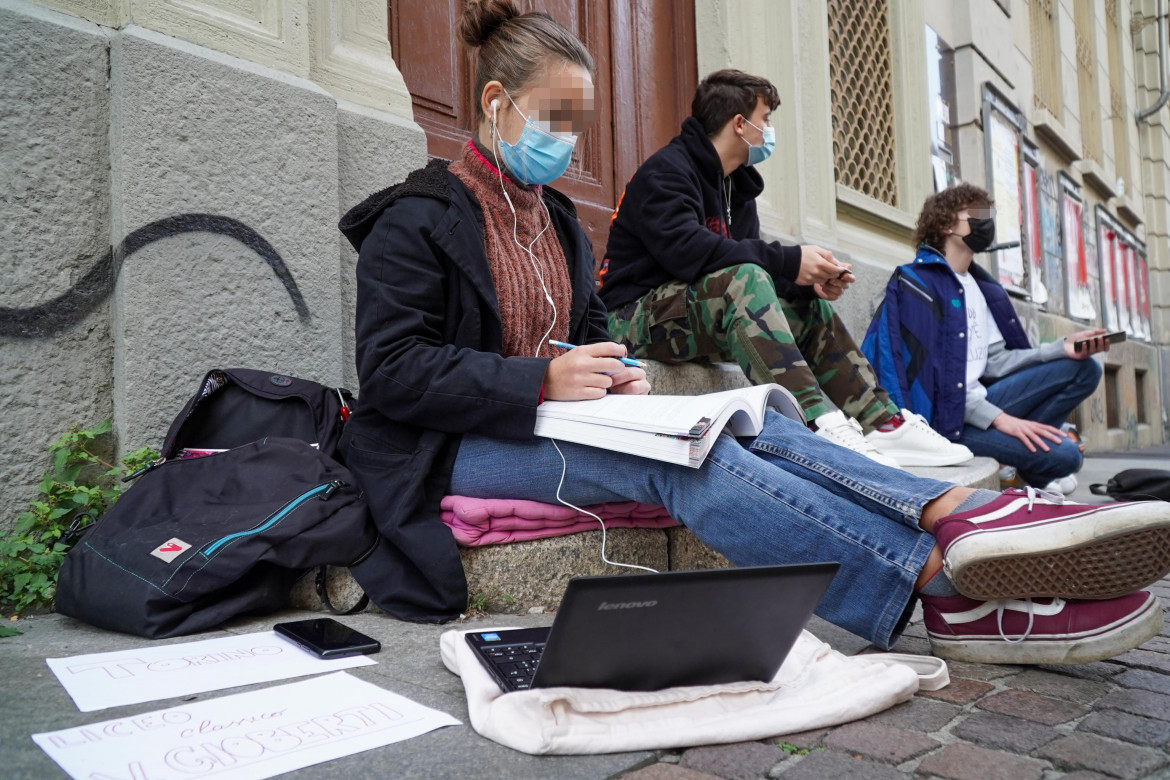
(630, 381)
(585, 373)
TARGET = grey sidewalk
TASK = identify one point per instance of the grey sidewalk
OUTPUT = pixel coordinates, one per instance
(1106, 719)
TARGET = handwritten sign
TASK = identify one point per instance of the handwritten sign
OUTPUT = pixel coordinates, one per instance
(246, 735)
(102, 680)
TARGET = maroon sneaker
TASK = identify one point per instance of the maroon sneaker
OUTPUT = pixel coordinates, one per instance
(1039, 631)
(1031, 543)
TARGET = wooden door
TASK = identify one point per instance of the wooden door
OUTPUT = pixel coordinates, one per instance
(644, 52)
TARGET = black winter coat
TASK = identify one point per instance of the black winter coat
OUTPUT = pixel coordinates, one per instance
(428, 343)
(671, 224)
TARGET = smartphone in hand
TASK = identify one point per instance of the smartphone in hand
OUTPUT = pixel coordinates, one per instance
(327, 638)
(1113, 337)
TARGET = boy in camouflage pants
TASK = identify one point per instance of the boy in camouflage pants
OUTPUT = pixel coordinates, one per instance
(687, 277)
(799, 343)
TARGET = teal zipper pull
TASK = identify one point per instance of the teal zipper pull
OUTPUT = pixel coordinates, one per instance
(332, 488)
(148, 467)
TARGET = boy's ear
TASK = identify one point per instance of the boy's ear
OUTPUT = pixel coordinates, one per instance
(735, 124)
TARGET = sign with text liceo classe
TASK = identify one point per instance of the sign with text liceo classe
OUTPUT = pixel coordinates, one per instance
(244, 736)
(102, 680)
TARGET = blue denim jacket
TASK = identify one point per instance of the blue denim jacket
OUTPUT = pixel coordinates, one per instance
(917, 341)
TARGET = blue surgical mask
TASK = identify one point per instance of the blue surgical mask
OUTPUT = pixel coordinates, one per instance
(541, 155)
(757, 154)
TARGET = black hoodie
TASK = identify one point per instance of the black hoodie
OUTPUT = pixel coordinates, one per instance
(671, 224)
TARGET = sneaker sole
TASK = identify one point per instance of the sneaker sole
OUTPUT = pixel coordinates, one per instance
(919, 458)
(1096, 556)
(1080, 650)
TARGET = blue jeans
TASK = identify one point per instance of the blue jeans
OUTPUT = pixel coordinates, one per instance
(1045, 393)
(787, 496)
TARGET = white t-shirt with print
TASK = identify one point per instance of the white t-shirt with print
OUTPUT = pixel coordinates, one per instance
(982, 331)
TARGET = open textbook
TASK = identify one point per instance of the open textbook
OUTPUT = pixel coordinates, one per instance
(675, 428)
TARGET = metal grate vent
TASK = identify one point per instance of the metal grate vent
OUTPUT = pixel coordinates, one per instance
(862, 97)
(1045, 63)
(1089, 102)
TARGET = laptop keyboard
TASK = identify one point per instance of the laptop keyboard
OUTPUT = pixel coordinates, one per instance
(516, 662)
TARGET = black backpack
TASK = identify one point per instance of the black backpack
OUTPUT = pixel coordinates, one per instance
(235, 406)
(1136, 485)
(203, 538)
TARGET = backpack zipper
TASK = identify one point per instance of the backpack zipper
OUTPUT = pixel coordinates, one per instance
(148, 467)
(324, 491)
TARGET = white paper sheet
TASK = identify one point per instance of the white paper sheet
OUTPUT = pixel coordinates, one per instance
(246, 735)
(102, 680)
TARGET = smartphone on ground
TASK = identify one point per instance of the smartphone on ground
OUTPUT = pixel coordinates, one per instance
(327, 638)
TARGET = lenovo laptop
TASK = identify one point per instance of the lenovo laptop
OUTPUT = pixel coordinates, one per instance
(645, 632)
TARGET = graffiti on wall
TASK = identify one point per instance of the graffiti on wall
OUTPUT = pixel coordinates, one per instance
(58, 315)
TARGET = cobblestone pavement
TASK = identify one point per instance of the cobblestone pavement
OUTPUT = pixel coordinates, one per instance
(1105, 719)
(1081, 722)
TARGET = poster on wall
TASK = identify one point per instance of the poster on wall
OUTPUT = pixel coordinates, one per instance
(1035, 255)
(1079, 294)
(1143, 267)
(1131, 278)
(1005, 178)
(1120, 281)
(1092, 266)
(1050, 240)
(1107, 253)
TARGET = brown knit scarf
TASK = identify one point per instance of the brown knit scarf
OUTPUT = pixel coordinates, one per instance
(524, 312)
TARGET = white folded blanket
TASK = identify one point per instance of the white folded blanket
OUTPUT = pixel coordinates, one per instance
(816, 687)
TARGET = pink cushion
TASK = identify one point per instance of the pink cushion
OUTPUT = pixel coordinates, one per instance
(480, 521)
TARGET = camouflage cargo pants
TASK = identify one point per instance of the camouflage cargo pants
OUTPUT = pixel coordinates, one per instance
(735, 314)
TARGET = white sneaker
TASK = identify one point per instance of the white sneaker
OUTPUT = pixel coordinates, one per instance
(846, 432)
(1064, 485)
(915, 443)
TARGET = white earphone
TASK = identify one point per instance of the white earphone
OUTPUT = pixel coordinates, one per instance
(495, 104)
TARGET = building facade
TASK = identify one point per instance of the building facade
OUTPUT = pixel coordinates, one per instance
(172, 172)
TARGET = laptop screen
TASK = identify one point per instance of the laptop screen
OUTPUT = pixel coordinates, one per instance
(646, 632)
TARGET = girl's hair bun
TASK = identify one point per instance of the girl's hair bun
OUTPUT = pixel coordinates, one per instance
(481, 18)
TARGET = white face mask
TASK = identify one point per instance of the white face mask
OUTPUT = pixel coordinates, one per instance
(757, 154)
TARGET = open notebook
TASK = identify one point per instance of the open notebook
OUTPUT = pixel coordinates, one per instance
(675, 428)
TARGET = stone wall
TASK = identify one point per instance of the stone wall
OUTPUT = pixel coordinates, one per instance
(166, 208)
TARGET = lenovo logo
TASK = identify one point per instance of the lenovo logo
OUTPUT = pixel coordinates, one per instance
(605, 605)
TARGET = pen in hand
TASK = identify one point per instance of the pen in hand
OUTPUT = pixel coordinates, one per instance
(625, 361)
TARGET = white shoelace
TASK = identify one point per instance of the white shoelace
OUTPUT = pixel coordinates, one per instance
(1036, 494)
(999, 622)
(919, 423)
(849, 435)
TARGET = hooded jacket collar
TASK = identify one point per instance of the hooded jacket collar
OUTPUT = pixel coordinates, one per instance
(451, 232)
(746, 181)
(929, 256)
(429, 182)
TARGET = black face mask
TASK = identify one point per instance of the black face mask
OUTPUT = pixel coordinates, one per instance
(982, 234)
